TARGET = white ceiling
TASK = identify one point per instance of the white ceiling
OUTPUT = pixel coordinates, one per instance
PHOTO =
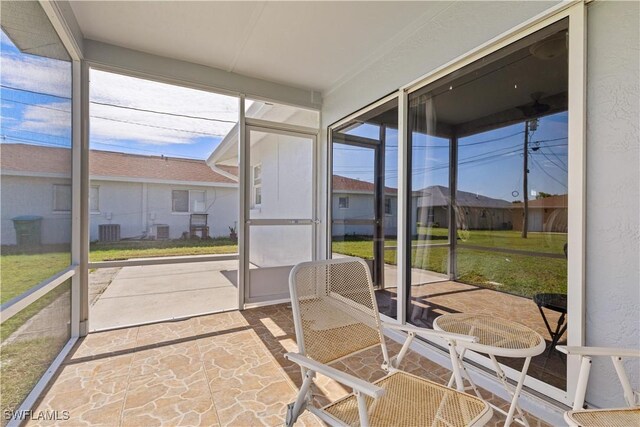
(311, 45)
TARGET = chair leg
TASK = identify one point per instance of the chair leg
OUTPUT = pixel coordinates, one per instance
(362, 410)
(295, 408)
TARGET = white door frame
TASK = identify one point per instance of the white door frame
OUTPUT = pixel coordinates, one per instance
(247, 125)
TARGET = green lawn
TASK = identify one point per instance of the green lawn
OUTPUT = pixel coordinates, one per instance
(27, 357)
(160, 248)
(21, 271)
(519, 274)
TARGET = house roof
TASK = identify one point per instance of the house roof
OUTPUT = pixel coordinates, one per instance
(438, 195)
(52, 160)
(344, 184)
(557, 201)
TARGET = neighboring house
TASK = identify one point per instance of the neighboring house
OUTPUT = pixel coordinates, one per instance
(354, 199)
(547, 214)
(475, 211)
(137, 192)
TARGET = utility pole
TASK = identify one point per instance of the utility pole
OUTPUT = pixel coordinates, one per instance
(530, 125)
(525, 181)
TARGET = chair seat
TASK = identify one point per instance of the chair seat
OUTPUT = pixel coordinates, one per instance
(623, 417)
(410, 401)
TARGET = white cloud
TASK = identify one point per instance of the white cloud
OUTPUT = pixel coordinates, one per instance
(55, 119)
(53, 77)
(36, 74)
(156, 129)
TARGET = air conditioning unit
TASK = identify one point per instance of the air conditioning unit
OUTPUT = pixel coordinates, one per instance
(109, 232)
(160, 231)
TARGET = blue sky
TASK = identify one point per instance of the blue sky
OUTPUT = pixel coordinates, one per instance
(490, 163)
(146, 117)
(127, 114)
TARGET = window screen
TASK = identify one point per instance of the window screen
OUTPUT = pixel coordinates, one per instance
(61, 198)
(180, 200)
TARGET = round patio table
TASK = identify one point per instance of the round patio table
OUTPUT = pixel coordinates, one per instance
(496, 338)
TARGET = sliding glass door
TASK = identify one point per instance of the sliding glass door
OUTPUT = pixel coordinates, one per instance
(488, 204)
(364, 197)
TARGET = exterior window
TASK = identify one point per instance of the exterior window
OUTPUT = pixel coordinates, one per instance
(180, 200)
(94, 198)
(387, 207)
(188, 201)
(257, 185)
(197, 201)
(61, 198)
(343, 202)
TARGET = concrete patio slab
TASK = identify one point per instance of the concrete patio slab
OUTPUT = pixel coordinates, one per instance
(144, 294)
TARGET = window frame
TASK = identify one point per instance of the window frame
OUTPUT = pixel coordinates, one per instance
(204, 201)
(389, 205)
(173, 206)
(189, 210)
(55, 199)
(340, 204)
(97, 198)
(256, 186)
(576, 14)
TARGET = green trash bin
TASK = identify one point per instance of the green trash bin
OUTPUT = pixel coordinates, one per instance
(28, 230)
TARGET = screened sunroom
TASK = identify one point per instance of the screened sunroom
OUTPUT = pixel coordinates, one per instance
(167, 168)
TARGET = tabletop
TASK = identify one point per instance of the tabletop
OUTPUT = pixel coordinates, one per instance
(555, 302)
(496, 336)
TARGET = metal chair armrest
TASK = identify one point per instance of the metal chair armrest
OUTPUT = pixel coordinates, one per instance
(449, 336)
(342, 377)
(598, 351)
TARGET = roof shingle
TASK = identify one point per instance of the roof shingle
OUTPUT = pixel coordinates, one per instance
(52, 160)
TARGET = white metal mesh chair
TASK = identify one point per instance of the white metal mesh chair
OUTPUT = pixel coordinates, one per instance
(336, 315)
(621, 417)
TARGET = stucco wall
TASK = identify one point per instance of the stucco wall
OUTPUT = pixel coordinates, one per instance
(220, 203)
(612, 252)
(613, 189)
(119, 203)
(33, 196)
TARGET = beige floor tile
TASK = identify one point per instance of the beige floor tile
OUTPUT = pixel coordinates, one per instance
(224, 369)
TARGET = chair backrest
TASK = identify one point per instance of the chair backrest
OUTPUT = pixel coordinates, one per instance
(334, 309)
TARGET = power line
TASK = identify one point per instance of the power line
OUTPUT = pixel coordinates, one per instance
(490, 140)
(146, 150)
(154, 126)
(553, 163)
(163, 112)
(53, 144)
(34, 132)
(36, 105)
(118, 120)
(34, 92)
(547, 173)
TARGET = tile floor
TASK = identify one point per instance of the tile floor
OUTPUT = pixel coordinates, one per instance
(223, 369)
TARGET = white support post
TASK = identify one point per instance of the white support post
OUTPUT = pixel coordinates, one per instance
(576, 183)
(83, 235)
(76, 183)
(403, 268)
(243, 173)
